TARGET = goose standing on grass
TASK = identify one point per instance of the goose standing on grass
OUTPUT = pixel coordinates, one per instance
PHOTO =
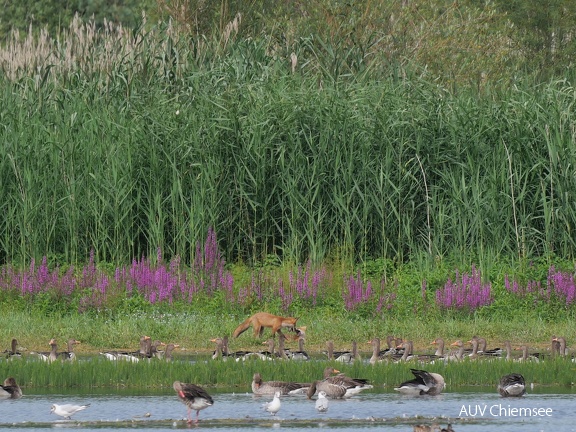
(283, 353)
(376, 355)
(133, 357)
(408, 347)
(51, 355)
(322, 402)
(69, 355)
(458, 354)
(424, 383)
(13, 353)
(525, 356)
(10, 390)
(439, 353)
(300, 354)
(274, 406)
(154, 351)
(238, 355)
(260, 387)
(508, 349)
(218, 352)
(342, 356)
(561, 346)
(168, 353)
(67, 410)
(348, 356)
(494, 352)
(194, 397)
(512, 385)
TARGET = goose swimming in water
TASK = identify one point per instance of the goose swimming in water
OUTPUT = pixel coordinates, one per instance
(424, 383)
(260, 387)
(512, 385)
(10, 390)
(338, 386)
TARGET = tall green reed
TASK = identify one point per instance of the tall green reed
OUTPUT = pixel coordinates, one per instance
(161, 147)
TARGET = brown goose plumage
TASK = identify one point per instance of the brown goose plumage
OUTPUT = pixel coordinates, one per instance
(512, 385)
(194, 397)
(51, 355)
(10, 390)
(338, 386)
(260, 387)
(69, 355)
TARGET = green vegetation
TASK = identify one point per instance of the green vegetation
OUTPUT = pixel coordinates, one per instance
(99, 372)
(389, 157)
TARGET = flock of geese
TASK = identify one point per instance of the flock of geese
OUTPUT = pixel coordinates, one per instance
(147, 350)
(397, 350)
(332, 385)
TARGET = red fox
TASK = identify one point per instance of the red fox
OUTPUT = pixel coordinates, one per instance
(262, 319)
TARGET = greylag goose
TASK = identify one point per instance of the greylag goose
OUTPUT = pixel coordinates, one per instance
(512, 385)
(338, 386)
(194, 397)
(241, 355)
(322, 402)
(10, 390)
(67, 410)
(525, 356)
(377, 355)
(282, 351)
(300, 354)
(154, 351)
(458, 354)
(51, 355)
(474, 354)
(69, 355)
(495, 352)
(260, 387)
(440, 347)
(168, 352)
(424, 383)
(13, 352)
(217, 354)
(342, 356)
(274, 406)
(508, 349)
(560, 347)
(408, 354)
(134, 356)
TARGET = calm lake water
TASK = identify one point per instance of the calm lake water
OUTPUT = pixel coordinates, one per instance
(548, 409)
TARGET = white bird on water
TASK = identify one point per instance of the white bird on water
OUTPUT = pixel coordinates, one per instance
(322, 402)
(274, 406)
(67, 410)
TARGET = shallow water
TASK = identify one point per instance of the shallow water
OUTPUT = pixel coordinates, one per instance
(374, 409)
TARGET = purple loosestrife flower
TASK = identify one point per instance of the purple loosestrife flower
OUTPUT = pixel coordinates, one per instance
(563, 285)
(465, 292)
(355, 293)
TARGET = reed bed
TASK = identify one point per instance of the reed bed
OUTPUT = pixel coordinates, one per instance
(301, 165)
(99, 372)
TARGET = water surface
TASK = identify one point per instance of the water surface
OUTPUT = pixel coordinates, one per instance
(473, 409)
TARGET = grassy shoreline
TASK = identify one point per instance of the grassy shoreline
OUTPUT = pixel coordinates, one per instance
(193, 331)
